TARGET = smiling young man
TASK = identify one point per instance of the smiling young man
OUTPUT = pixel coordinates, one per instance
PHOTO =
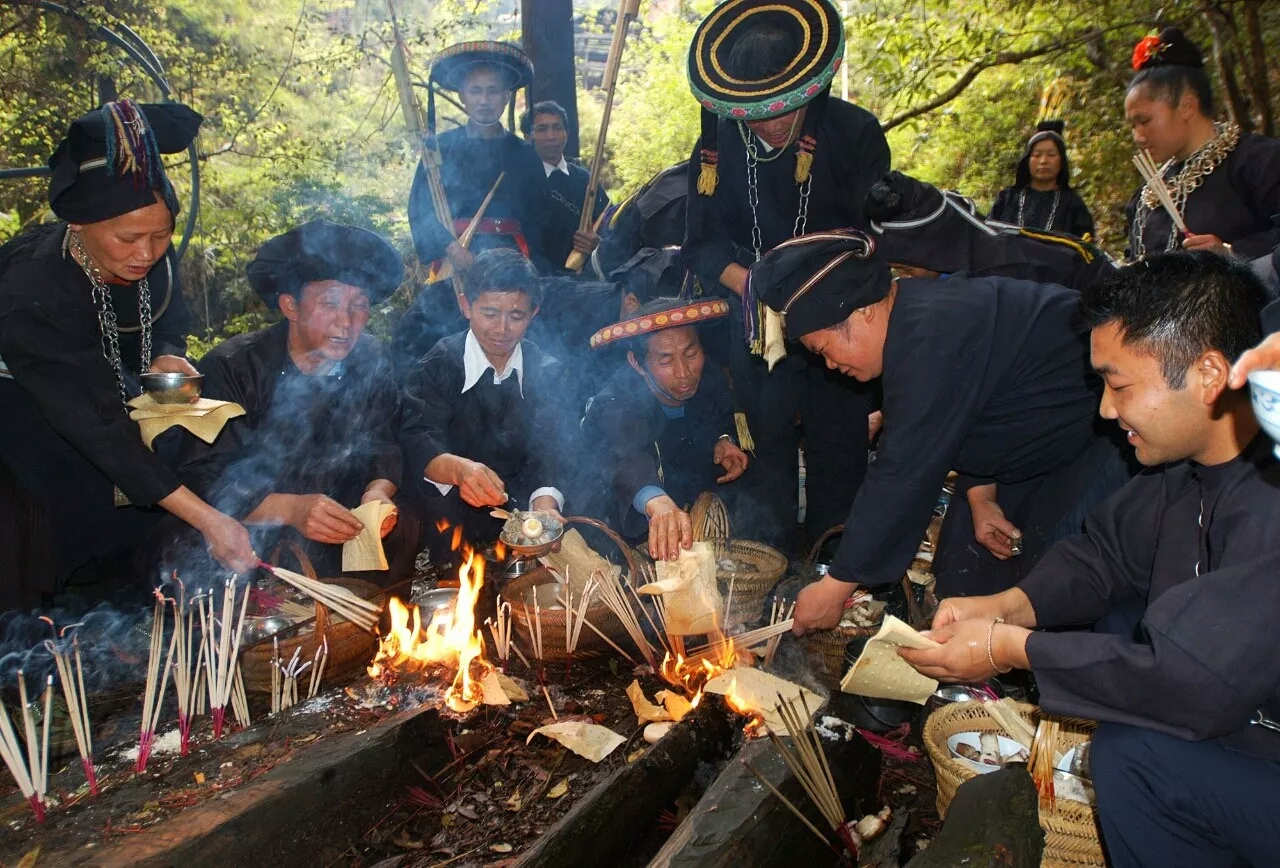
(986, 376)
(486, 421)
(322, 409)
(566, 187)
(662, 429)
(1227, 182)
(1186, 760)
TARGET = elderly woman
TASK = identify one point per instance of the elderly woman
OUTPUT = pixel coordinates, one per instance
(1041, 196)
(1225, 182)
(86, 305)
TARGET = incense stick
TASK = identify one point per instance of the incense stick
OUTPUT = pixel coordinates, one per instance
(317, 667)
(1041, 760)
(792, 808)
(77, 707)
(808, 762)
(32, 767)
(356, 609)
(184, 681)
(12, 754)
(239, 701)
(222, 651)
(574, 619)
(611, 594)
(550, 704)
(777, 616)
(500, 629)
(277, 677)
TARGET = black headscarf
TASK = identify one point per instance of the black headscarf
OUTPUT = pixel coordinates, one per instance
(109, 162)
(321, 250)
(1046, 131)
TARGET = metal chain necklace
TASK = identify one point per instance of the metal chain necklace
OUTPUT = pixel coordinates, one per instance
(1053, 212)
(753, 194)
(107, 323)
(1188, 179)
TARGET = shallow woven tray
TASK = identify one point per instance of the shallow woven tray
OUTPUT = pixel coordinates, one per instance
(1071, 828)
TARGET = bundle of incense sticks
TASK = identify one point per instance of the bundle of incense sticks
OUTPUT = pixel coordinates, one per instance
(289, 680)
(748, 639)
(1043, 758)
(611, 593)
(779, 613)
(77, 700)
(500, 629)
(239, 700)
(32, 772)
(186, 665)
(157, 680)
(1154, 176)
(574, 619)
(317, 667)
(277, 676)
(535, 634)
(222, 650)
(353, 607)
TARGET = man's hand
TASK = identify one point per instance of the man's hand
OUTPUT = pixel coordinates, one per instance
(670, 528)
(820, 605)
(963, 655)
(585, 242)
(734, 277)
(173, 365)
(321, 518)
(731, 458)
(1264, 357)
(1203, 242)
(382, 490)
(459, 257)
(229, 543)
(991, 529)
(480, 486)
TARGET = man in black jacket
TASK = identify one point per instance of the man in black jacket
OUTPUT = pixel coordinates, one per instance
(1186, 760)
(322, 409)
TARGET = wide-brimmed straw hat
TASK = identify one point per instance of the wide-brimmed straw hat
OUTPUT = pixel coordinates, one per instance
(659, 315)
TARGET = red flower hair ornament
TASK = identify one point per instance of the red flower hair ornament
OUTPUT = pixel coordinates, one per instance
(1147, 49)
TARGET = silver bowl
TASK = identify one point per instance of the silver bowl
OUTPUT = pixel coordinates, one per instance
(436, 600)
(257, 629)
(172, 388)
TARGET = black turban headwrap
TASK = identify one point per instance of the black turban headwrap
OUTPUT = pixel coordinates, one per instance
(109, 162)
(321, 250)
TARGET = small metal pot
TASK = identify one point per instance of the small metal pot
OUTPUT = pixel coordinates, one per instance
(170, 388)
(436, 600)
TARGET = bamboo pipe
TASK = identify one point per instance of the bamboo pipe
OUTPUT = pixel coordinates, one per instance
(628, 10)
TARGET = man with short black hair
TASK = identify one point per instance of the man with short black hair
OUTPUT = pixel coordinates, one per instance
(486, 417)
(544, 126)
(1186, 759)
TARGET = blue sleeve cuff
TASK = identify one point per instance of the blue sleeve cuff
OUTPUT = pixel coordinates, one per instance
(644, 495)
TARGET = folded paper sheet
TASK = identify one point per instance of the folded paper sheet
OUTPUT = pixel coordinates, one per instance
(203, 418)
(882, 674)
(759, 691)
(588, 740)
(689, 592)
(365, 551)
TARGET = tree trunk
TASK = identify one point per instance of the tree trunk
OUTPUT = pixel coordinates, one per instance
(548, 40)
(1222, 27)
(1257, 69)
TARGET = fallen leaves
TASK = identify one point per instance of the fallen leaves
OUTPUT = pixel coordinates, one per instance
(559, 789)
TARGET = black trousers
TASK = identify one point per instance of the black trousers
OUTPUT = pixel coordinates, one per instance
(1168, 803)
(1046, 509)
(798, 400)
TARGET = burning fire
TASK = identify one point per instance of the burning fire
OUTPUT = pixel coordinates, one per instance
(451, 640)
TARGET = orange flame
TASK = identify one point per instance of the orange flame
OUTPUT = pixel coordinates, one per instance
(457, 539)
(442, 525)
(500, 551)
(450, 640)
(737, 703)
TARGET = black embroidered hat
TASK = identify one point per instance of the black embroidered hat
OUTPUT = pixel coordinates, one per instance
(810, 30)
(109, 162)
(815, 281)
(450, 67)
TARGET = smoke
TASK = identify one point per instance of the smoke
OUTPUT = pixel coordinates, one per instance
(113, 644)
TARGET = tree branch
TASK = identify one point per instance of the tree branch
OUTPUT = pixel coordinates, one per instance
(999, 58)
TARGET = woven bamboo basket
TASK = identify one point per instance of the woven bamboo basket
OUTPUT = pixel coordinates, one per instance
(710, 518)
(350, 648)
(763, 567)
(1071, 829)
(553, 621)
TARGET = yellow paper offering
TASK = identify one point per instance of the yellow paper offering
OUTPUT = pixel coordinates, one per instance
(365, 551)
(882, 674)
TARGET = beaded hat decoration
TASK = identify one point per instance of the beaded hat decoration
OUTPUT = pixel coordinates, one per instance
(450, 67)
(679, 312)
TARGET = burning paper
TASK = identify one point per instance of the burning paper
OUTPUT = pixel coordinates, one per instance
(365, 551)
(754, 691)
(882, 674)
(501, 690)
(675, 704)
(689, 592)
(588, 740)
(646, 711)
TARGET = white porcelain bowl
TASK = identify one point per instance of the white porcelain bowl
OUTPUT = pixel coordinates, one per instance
(1264, 390)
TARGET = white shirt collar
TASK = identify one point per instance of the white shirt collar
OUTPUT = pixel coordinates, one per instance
(562, 166)
(475, 363)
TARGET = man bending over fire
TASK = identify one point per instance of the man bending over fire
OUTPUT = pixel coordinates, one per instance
(1186, 759)
(485, 410)
(322, 407)
(662, 427)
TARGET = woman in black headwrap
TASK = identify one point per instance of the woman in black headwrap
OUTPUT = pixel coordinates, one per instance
(1224, 182)
(1041, 196)
(86, 305)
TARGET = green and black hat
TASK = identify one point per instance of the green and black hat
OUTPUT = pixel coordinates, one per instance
(450, 68)
(813, 27)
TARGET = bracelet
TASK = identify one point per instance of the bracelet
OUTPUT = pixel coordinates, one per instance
(991, 631)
